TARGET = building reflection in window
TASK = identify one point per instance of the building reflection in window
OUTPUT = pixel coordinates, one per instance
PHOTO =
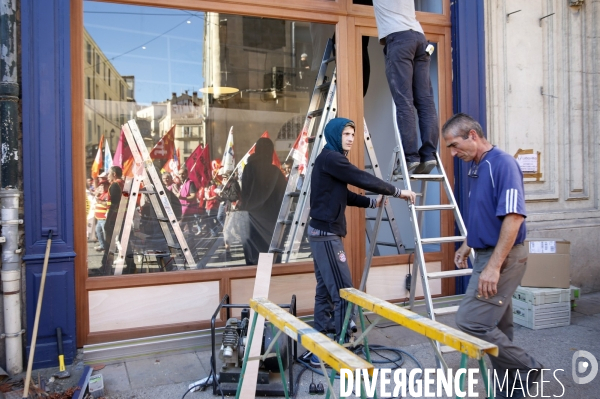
(203, 88)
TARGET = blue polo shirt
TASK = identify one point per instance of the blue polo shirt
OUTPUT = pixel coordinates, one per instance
(497, 191)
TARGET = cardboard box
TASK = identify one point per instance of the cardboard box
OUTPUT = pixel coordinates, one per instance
(548, 263)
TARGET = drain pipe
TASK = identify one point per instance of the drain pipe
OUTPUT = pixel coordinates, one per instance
(9, 193)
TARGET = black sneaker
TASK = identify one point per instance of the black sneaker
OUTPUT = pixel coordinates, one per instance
(410, 165)
(426, 167)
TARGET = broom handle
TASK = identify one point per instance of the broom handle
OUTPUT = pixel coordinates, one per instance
(37, 317)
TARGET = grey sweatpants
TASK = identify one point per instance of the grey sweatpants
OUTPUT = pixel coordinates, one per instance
(492, 319)
(332, 273)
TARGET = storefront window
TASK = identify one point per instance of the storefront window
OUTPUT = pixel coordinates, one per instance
(219, 101)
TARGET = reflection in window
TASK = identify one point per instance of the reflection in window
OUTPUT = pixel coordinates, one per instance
(212, 95)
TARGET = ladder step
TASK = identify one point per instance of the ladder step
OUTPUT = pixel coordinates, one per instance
(442, 240)
(174, 246)
(316, 112)
(373, 218)
(433, 207)
(450, 273)
(427, 177)
(287, 222)
(421, 177)
(275, 251)
(447, 349)
(387, 244)
(330, 59)
(447, 310)
(324, 86)
(294, 194)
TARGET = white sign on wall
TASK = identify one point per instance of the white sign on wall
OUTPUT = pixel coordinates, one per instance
(528, 163)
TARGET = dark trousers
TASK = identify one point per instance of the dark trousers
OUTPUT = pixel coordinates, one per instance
(492, 319)
(407, 72)
(332, 274)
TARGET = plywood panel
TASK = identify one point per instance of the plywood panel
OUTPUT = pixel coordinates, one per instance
(281, 291)
(388, 282)
(124, 308)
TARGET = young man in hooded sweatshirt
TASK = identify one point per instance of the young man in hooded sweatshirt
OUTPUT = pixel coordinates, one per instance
(329, 196)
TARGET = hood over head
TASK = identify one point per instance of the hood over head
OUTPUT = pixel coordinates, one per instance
(333, 134)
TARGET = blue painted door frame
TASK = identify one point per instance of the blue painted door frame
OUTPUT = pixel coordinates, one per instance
(47, 166)
(47, 163)
(468, 87)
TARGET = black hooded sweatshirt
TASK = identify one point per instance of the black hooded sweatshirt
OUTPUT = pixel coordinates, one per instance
(331, 174)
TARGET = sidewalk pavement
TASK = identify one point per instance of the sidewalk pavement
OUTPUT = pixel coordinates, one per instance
(168, 377)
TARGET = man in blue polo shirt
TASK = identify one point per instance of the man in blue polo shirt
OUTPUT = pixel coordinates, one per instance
(496, 231)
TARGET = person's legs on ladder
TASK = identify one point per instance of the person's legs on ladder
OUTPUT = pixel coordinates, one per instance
(399, 53)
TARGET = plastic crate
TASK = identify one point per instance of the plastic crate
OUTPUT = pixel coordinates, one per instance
(538, 317)
(542, 296)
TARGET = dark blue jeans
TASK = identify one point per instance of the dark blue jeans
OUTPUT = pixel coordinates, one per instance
(407, 72)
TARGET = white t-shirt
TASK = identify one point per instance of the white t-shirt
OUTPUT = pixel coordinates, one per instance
(395, 16)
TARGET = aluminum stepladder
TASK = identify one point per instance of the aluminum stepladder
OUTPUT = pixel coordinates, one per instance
(145, 172)
(416, 218)
(296, 201)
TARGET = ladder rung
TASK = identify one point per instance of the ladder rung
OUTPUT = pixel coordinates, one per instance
(324, 86)
(387, 244)
(450, 273)
(294, 194)
(287, 222)
(427, 177)
(433, 207)
(421, 177)
(276, 251)
(447, 349)
(330, 59)
(447, 310)
(316, 112)
(174, 246)
(374, 218)
(442, 240)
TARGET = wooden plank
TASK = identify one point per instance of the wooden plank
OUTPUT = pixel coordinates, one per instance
(261, 289)
(327, 350)
(465, 343)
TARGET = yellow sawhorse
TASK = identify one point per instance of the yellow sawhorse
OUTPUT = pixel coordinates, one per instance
(327, 350)
(469, 346)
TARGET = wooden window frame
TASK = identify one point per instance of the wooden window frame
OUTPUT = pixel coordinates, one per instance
(351, 21)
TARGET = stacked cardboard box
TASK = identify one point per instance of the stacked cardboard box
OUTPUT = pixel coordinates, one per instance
(538, 308)
(548, 263)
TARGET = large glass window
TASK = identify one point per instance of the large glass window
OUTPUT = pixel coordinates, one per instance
(218, 101)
